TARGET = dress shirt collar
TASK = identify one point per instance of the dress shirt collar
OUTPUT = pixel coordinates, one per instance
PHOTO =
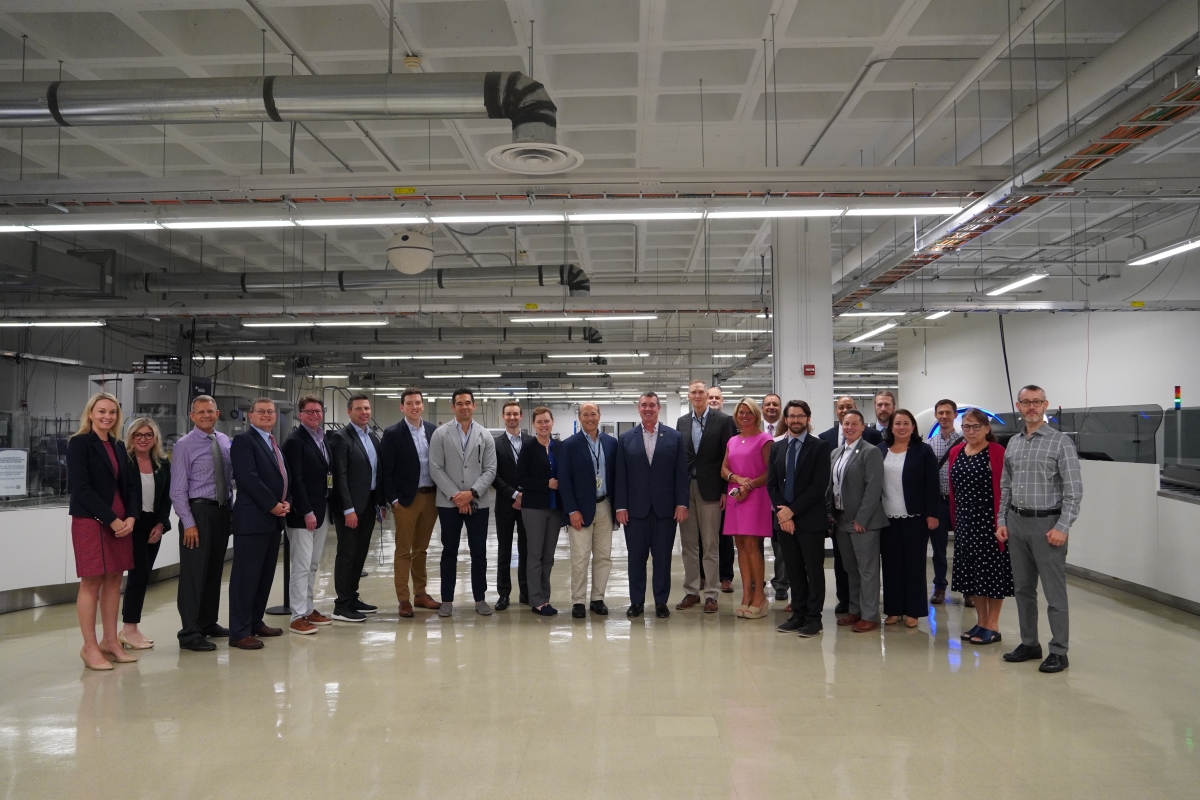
(266, 435)
(317, 433)
(946, 433)
(362, 431)
(415, 429)
(651, 431)
(801, 437)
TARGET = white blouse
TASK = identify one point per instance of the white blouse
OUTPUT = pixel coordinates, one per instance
(147, 491)
(893, 484)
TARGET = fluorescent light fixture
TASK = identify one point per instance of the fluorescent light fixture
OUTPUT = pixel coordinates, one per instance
(331, 377)
(240, 358)
(772, 213)
(278, 375)
(409, 358)
(621, 317)
(598, 355)
(866, 373)
(873, 314)
(634, 216)
(739, 330)
(863, 336)
(601, 372)
(729, 386)
(763, 316)
(317, 222)
(1173, 249)
(903, 211)
(97, 226)
(81, 323)
(466, 375)
(1017, 284)
(14, 228)
(353, 323)
(938, 314)
(311, 323)
(482, 219)
(228, 224)
(277, 323)
(544, 318)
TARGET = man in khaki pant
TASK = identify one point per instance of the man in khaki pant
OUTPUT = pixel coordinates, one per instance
(587, 473)
(404, 452)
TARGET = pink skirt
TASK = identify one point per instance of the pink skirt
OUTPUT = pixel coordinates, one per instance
(98, 551)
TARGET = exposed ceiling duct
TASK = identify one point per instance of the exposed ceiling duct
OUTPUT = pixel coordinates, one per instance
(306, 98)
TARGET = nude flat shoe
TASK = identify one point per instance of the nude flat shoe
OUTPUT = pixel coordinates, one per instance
(892, 620)
(97, 667)
(908, 624)
(121, 638)
(121, 657)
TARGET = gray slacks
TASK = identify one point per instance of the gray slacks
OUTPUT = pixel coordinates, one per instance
(860, 554)
(306, 547)
(1033, 557)
(702, 526)
(542, 526)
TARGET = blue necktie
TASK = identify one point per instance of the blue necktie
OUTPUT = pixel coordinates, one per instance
(789, 485)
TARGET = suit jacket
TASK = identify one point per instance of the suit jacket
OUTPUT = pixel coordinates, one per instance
(577, 475)
(352, 472)
(534, 473)
(506, 468)
(870, 435)
(400, 464)
(809, 508)
(308, 476)
(862, 486)
(454, 470)
(162, 491)
(922, 488)
(719, 428)
(643, 488)
(90, 478)
(259, 484)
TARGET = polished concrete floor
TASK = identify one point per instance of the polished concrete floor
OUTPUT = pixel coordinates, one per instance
(516, 705)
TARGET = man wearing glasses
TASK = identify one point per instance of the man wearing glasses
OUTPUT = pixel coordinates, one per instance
(1040, 492)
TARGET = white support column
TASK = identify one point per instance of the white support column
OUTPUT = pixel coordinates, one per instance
(803, 314)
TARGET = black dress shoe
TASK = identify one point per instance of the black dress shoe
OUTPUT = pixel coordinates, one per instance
(781, 594)
(810, 630)
(502, 603)
(363, 608)
(791, 626)
(661, 611)
(634, 610)
(578, 611)
(362, 574)
(216, 631)
(1023, 653)
(1054, 663)
(198, 644)
(598, 607)
(841, 608)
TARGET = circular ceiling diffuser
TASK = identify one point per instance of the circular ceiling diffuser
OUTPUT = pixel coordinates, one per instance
(534, 158)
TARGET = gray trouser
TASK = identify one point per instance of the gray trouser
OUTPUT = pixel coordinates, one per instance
(860, 554)
(1033, 557)
(542, 527)
(780, 580)
(306, 547)
(702, 526)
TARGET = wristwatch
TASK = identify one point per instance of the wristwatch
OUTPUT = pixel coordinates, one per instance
(475, 494)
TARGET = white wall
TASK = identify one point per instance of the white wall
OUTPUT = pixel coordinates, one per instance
(1096, 359)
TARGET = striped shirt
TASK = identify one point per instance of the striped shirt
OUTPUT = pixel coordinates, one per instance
(192, 472)
(941, 445)
(1041, 472)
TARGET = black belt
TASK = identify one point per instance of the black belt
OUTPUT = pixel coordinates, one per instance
(601, 498)
(204, 501)
(1033, 512)
(425, 490)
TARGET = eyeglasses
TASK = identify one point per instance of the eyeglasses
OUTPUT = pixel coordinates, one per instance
(266, 412)
(972, 427)
(145, 435)
(313, 411)
(1030, 403)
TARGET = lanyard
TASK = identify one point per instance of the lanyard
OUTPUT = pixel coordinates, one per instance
(595, 452)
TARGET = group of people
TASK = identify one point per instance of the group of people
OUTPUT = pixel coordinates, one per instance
(725, 482)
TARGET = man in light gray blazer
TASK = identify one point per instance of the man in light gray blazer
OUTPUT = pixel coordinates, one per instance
(857, 489)
(462, 463)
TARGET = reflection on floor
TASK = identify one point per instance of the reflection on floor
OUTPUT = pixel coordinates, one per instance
(515, 705)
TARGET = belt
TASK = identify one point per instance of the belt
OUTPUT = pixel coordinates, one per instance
(204, 501)
(601, 498)
(1033, 512)
(425, 489)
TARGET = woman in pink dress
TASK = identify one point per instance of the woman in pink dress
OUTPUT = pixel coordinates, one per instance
(747, 506)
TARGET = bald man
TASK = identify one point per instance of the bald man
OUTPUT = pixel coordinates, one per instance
(587, 473)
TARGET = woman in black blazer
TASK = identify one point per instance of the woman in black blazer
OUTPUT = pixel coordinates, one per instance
(910, 499)
(102, 518)
(149, 479)
(541, 509)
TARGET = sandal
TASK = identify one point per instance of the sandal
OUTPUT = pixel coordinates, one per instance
(985, 636)
(740, 611)
(973, 632)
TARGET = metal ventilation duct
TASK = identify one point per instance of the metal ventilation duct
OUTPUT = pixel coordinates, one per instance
(302, 98)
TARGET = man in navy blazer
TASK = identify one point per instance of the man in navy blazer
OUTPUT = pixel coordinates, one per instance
(652, 498)
(259, 510)
(308, 466)
(587, 474)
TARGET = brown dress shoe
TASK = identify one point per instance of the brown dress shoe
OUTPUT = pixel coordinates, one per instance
(727, 587)
(249, 643)
(939, 596)
(317, 618)
(689, 601)
(849, 619)
(302, 626)
(267, 630)
(406, 609)
(710, 606)
(425, 601)
(968, 601)
(865, 626)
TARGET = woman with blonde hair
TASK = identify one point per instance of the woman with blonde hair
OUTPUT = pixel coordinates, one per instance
(102, 519)
(747, 506)
(150, 490)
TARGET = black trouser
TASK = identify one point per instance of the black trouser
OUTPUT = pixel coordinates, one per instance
(452, 521)
(780, 579)
(902, 546)
(250, 579)
(200, 569)
(725, 554)
(506, 519)
(353, 545)
(940, 539)
(144, 554)
(804, 560)
(841, 580)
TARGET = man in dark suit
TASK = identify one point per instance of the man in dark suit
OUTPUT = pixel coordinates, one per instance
(834, 438)
(652, 496)
(705, 432)
(262, 503)
(307, 460)
(587, 473)
(407, 485)
(508, 506)
(797, 481)
(357, 505)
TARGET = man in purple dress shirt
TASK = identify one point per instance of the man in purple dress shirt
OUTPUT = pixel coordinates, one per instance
(202, 494)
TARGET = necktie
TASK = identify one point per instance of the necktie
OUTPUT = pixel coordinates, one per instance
(220, 486)
(279, 462)
(789, 485)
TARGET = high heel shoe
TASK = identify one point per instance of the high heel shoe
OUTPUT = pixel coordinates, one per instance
(97, 667)
(121, 638)
(909, 624)
(740, 611)
(754, 612)
(121, 657)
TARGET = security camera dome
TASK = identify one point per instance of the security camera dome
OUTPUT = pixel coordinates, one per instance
(410, 252)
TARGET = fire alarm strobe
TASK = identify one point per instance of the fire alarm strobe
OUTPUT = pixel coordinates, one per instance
(810, 370)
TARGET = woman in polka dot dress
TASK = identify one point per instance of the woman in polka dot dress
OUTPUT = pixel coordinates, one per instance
(982, 569)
